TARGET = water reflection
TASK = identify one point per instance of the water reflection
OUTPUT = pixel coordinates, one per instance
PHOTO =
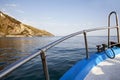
(12, 49)
(65, 54)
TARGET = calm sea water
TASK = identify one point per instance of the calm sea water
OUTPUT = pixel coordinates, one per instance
(59, 58)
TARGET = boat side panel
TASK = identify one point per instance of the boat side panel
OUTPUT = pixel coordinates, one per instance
(81, 68)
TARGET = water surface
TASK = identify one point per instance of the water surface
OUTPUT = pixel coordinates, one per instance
(59, 58)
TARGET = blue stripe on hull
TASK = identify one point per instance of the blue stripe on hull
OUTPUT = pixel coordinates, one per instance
(81, 68)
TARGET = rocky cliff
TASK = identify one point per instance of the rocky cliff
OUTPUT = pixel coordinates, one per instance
(10, 27)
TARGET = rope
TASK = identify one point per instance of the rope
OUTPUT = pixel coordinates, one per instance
(111, 57)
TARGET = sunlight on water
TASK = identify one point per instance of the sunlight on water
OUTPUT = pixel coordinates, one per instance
(60, 58)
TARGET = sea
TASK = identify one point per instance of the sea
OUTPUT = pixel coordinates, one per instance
(60, 58)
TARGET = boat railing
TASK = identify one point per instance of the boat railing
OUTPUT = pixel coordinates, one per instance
(117, 24)
(42, 51)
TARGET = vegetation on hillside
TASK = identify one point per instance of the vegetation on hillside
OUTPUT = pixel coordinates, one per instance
(10, 27)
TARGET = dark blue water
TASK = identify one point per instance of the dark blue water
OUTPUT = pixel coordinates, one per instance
(59, 58)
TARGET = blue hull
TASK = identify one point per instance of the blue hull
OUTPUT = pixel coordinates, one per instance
(82, 68)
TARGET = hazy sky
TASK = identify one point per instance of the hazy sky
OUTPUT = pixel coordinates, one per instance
(61, 17)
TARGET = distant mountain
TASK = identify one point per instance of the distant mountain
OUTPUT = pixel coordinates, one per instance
(10, 27)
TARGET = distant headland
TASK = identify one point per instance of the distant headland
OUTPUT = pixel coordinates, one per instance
(10, 27)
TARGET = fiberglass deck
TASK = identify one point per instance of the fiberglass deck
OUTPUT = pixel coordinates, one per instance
(106, 70)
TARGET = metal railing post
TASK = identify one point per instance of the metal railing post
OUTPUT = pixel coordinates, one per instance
(117, 25)
(86, 45)
(44, 63)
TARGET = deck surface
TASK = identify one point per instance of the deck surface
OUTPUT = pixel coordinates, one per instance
(106, 70)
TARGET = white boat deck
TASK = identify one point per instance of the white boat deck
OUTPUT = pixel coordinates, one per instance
(106, 70)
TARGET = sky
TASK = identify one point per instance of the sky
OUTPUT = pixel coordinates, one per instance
(62, 17)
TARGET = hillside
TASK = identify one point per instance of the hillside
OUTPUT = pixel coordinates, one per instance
(10, 27)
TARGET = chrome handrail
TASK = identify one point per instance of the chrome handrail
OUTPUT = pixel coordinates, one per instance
(42, 51)
(117, 24)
